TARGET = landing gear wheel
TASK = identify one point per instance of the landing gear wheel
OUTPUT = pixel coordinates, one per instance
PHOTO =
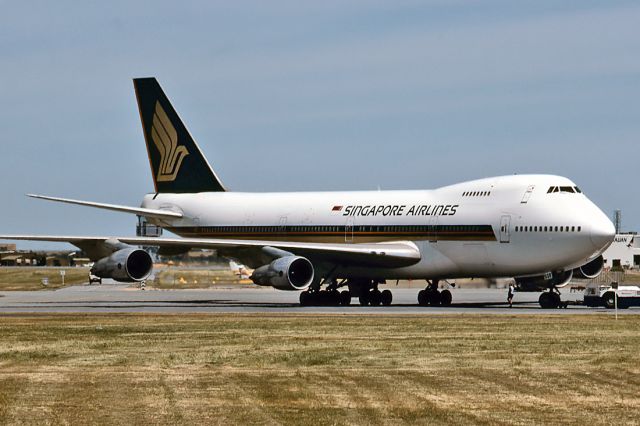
(434, 298)
(545, 301)
(549, 300)
(375, 297)
(364, 299)
(609, 299)
(335, 298)
(345, 298)
(422, 298)
(445, 298)
(305, 298)
(386, 297)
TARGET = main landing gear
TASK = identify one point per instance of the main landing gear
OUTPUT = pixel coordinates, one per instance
(325, 298)
(366, 291)
(430, 296)
(551, 299)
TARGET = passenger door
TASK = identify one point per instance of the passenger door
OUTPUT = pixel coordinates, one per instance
(505, 233)
(348, 231)
(527, 194)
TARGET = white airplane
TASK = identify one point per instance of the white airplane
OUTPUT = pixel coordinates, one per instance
(536, 228)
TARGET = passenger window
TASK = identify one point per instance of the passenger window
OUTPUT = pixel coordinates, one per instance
(573, 229)
(579, 228)
(545, 229)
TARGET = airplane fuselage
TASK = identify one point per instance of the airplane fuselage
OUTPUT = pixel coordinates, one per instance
(503, 226)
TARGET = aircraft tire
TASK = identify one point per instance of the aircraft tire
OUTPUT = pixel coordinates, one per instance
(364, 299)
(386, 297)
(334, 298)
(549, 300)
(375, 297)
(434, 298)
(345, 298)
(305, 298)
(544, 301)
(422, 298)
(445, 298)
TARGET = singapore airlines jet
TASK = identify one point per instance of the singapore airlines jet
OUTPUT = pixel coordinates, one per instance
(539, 229)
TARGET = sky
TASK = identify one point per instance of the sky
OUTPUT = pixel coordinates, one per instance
(331, 95)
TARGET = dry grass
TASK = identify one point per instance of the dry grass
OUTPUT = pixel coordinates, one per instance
(27, 278)
(177, 278)
(330, 369)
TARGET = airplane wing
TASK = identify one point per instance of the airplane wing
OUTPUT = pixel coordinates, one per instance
(160, 214)
(256, 253)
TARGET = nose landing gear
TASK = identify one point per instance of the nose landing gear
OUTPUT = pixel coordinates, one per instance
(551, 299)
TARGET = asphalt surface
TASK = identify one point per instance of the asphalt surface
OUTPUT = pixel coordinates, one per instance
(110, 298)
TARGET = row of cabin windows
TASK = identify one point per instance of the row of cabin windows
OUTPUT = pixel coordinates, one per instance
(476, 193)
(571, 189)
(358, 228)
(548, 228)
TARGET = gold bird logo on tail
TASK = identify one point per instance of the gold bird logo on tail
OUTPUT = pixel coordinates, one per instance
(165, 137)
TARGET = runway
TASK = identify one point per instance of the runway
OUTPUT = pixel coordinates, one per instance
(113, 298)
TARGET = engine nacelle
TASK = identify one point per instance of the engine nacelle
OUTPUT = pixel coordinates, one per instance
(126, 265)
(542, 282)
(592, 269)
(285, 273)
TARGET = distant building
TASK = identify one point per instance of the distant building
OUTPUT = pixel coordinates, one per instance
(624, 252)
(18, 259)
(7, 247)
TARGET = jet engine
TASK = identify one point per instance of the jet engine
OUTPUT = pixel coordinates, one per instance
(125, 265)
(591, 269)
(286, 273)
(542, 282)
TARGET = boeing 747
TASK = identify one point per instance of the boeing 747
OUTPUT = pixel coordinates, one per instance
(333, 246)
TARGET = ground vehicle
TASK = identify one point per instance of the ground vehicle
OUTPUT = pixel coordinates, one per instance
(604, 295)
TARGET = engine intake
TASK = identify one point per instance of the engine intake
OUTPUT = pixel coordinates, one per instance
(592, 269)
(286, 273)
(126, 265)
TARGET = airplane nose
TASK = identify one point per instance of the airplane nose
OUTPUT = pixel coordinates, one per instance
(602, 233)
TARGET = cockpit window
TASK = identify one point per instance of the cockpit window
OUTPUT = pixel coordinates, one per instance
(570, 189)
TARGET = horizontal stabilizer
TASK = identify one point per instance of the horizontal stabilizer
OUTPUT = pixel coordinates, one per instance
(159, 214)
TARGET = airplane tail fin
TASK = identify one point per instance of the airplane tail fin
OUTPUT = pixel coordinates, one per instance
(177, 164)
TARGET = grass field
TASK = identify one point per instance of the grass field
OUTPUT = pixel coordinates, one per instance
(303, 369)
(177, 278)
(26, 278)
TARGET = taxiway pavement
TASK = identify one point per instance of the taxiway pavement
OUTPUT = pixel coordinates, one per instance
(112, 298)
